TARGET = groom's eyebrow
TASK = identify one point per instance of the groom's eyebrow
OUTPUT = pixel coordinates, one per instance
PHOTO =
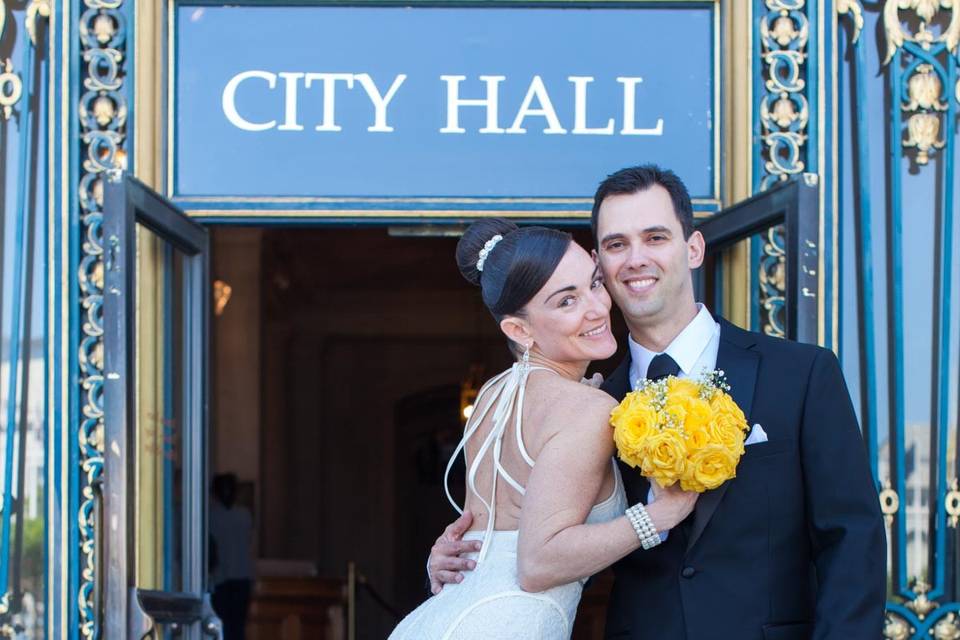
(619, 236)
(611, 236)
(657, 229)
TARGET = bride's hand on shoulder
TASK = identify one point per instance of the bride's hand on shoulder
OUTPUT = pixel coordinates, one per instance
(671, 505)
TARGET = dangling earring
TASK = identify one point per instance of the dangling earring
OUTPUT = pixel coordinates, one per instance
(526, 357)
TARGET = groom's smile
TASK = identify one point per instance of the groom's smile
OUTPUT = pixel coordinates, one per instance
(642, 252)
(640, 285)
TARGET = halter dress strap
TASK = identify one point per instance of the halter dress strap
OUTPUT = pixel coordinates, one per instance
(507, 399)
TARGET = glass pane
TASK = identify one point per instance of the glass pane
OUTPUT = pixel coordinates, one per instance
(768, 309)
(159, 495)
(748, 282)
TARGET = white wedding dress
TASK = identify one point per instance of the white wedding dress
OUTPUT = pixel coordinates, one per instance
(489, 603)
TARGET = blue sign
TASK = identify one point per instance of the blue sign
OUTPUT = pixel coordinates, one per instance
(369, 102)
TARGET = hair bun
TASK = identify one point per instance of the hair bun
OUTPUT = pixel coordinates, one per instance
(473, 240)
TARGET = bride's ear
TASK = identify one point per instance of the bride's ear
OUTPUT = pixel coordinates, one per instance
(516, 329)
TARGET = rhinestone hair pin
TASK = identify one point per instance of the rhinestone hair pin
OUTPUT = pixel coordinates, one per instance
(487, 248)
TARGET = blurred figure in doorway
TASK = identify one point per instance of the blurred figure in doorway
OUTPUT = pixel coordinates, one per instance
(231, 534)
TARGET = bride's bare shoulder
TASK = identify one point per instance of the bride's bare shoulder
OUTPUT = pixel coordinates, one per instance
(580, 399)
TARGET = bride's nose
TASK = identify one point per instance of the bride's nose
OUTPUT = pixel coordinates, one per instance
(597, 309)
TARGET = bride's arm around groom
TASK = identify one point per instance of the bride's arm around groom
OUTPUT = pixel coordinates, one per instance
(556, 545)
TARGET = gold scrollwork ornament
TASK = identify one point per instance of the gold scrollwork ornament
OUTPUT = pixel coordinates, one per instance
(924, 89)
(922, 131)
(889, 503)
(36, 8)
(104, 28)
(925, 10)
(784, 112)
(11, 88)
(853, 8)
(896, 628)
(784, 30)
(921, 604)
(947, 628)
(951, 503)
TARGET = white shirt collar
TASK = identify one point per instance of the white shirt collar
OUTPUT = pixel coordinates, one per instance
(685, 348)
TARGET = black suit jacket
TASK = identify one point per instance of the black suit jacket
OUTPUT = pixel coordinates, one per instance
(794, 546)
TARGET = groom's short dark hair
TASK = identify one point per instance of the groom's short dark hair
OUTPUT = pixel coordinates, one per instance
(640, 178)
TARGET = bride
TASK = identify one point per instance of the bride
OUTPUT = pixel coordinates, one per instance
(548, 502)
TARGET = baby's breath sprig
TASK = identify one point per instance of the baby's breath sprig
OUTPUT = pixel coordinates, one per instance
(660, 389)
(711, 382)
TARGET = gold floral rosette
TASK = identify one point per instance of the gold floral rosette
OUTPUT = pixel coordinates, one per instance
(681, 429)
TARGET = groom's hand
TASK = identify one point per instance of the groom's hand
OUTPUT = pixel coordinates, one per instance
(445, 564)
(595, 381)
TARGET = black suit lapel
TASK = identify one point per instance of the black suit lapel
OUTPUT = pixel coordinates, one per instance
(739, 362)
(618, 384)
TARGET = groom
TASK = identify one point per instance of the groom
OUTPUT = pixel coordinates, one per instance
(793, 547)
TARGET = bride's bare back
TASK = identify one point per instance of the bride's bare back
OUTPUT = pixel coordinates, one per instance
(551, 403)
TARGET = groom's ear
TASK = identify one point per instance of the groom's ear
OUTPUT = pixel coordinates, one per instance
(516, 329)
(696, 250)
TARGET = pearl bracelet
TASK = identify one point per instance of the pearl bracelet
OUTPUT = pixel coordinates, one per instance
(643, 526)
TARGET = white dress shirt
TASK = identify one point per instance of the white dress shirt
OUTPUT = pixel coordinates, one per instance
(694, 350)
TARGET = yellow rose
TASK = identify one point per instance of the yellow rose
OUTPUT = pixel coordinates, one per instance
(728, 426)
(699, 410)
(675, 411)
(727, 434)
(666, 457)
(697, 417)
(625, 411)
(683, 388)
(693, 440)
(633, 422)
(724, 407)
(709, 468)
(631, 445)
(698, 434)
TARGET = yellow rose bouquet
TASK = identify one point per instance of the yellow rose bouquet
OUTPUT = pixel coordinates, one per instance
(681, 429)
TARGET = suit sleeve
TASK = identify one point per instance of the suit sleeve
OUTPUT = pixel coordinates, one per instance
(843, 511)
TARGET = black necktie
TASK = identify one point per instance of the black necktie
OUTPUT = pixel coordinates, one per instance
(662, 366)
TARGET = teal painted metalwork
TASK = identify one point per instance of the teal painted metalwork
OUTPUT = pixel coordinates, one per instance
(868, 372)
(99, 121)
(905, 64)
(941, 353)
(895, 313)
(17, 368)
(26, 209)
(785, 86)
(784, 104)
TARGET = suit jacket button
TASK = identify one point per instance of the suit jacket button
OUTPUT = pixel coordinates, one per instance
(688, 572)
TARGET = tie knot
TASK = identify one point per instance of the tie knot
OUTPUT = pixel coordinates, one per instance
(662, 366)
